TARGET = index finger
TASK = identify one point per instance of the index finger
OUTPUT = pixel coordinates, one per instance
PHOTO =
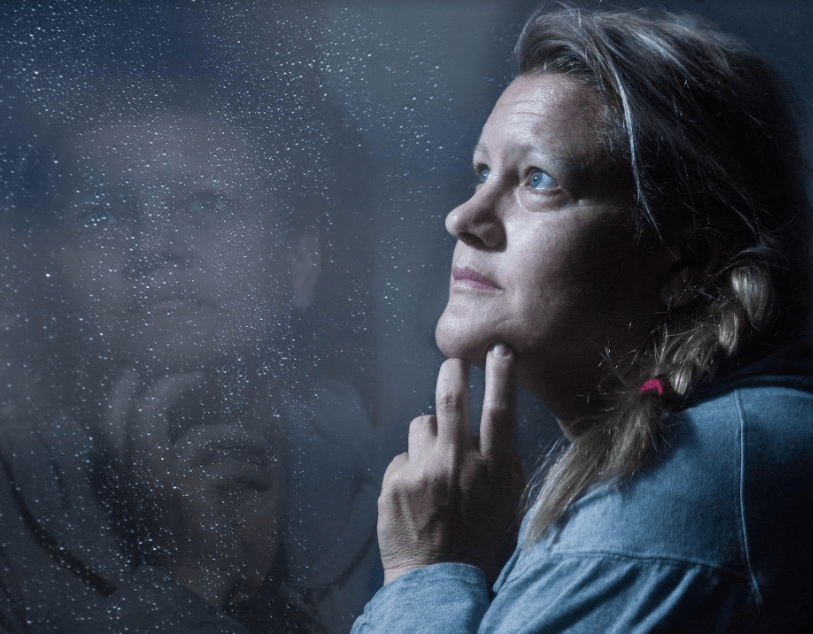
(113, 426)
(497, 422)
(452, 403)
(149, 427)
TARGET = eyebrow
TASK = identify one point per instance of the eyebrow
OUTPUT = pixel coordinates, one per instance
(562, 155)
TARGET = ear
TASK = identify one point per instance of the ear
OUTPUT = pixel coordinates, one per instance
(305, 259)
(676, 287)
(694, 261)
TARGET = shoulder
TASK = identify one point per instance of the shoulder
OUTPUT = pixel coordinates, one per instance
(721, 456)
(773, 396)
(718, 517)
(775, 424)
(765, 415)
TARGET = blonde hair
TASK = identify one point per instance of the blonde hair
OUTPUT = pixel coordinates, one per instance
(707, 134)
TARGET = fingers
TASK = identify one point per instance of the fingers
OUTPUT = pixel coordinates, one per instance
(451, 424)
(497, 422)
(448, 480)
(452, 404)
(228, 474)
(119, 406)
(149, 427)
(422, 433)
(222, 441)
(397, 464)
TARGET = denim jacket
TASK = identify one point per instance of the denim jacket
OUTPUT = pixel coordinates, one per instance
(712, 535)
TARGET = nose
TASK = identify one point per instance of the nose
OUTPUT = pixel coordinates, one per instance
(158, 241)
(477, 223)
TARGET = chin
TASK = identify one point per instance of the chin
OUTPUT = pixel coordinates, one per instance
(181, 355)
(459, 339)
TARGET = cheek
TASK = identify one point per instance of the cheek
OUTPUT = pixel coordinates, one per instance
(92, 283)
(567, 282)
(250, 277)
(240, 254)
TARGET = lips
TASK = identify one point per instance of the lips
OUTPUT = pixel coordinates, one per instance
(170, 306)
(473, 279)
(166, 301)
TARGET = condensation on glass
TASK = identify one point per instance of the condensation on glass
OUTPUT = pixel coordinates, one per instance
(186, 324)
(221, 259)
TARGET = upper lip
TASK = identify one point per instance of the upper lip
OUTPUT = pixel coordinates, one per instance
(465, 273)
(146, 298)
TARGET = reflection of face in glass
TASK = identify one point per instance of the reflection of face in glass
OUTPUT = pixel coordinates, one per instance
(169, 259)
(168, 262)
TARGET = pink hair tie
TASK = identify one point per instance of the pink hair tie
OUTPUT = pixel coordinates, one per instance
(652, 384)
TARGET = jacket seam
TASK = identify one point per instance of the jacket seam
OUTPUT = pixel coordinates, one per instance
(744, 529)
(608, 555)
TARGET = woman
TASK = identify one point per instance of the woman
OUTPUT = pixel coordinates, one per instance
(178, 464)
(631, 254)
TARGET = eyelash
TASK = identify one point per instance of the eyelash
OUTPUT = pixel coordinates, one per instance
(481, 172)
(550, 181)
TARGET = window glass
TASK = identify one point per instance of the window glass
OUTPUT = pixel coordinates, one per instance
(222, 257)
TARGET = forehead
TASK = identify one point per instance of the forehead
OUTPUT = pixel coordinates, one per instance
(547, 111)
(179, 146)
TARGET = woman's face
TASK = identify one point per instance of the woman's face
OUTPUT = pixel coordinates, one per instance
(167, 257)
(546, 259)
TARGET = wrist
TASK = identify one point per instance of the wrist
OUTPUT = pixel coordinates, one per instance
(391, 574)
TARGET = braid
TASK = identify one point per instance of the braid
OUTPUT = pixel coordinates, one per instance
(687, 353)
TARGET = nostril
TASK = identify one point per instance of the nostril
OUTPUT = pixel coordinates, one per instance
(488, 235)
(471, 240)
(141, 264)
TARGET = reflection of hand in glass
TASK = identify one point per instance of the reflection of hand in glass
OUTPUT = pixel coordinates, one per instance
(211, 494)
(19, 378)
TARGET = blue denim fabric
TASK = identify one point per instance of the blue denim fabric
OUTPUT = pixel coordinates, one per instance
(712, 536)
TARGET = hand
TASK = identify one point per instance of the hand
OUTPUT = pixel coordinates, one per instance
(453, 496)
(211, 496)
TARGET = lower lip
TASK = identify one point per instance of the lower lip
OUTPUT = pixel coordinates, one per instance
(170, 307)
(468, 279)
(480, 286)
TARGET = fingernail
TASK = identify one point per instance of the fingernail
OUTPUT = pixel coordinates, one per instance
(500, 350)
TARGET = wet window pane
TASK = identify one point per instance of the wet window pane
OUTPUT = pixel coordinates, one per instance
(222, 259)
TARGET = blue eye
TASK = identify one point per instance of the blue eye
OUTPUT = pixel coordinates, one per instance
(96, 217)
(206, 203)
(482, 175)
(203, 207)
(541, 180)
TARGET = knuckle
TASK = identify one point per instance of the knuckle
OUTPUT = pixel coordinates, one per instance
(450, 401)
(393, 468)
(498, 407)
(421, 423)
(422, 427)
(453, 365)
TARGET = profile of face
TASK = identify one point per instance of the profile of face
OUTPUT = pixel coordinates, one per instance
(547, 259)
(169, 258)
